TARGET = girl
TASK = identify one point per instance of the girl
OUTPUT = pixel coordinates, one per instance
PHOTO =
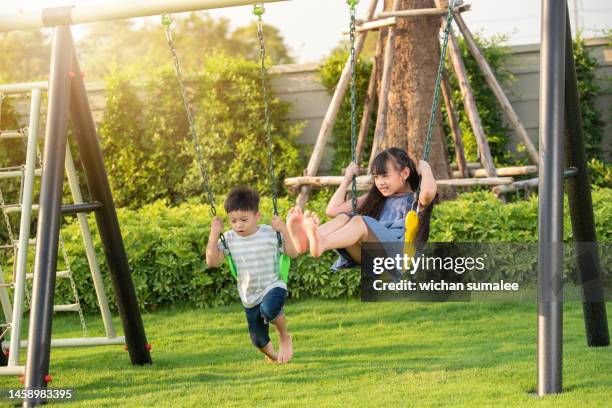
(380, 212)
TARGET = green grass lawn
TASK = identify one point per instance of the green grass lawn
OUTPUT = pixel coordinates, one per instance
(347, 354)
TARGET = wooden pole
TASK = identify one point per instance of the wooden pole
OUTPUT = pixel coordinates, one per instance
(369, 102)
(389, 18)
(332, 110)
(374, 25)
(501, 171)
(497, 89)
(469, 165)
(469, 103)
(528, 184)
(422, 12)
(468, 100)
(455, 129)
(385, 85)
(365, 182)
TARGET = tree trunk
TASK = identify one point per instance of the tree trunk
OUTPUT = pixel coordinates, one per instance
(417, 55)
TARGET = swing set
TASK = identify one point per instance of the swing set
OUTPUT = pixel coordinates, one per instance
(284, 261)
(67, 97)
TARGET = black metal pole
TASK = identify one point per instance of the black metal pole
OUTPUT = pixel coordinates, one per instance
(581, 209)
(49, 218)
(550, 218)
(106, 218)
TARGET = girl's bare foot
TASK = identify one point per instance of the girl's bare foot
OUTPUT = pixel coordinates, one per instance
(285, 349)
(311, 224)
(295, 225)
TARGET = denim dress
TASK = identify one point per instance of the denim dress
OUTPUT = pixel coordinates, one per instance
(389, 227)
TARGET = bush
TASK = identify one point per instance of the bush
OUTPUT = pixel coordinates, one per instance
(588, 90)
(148, 147)
(601, 173)
(165, 248)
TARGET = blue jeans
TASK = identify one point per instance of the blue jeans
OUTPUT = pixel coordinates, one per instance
(260, 316)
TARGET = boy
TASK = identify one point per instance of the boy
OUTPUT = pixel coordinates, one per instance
(254, 249)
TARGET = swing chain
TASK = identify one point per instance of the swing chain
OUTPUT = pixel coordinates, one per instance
(258, 10)
(167, 23)
(436, 98)
(353, 4)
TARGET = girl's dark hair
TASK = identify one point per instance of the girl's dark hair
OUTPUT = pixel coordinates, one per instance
(375, 201)
(242, 199)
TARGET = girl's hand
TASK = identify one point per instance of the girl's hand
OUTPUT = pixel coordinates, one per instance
(423, 166)
(277, 223)
(216, 227)
(351, 170)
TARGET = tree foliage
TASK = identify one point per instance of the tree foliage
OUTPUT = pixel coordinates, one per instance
(149, 149)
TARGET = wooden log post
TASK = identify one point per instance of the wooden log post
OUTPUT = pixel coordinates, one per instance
(365, 182)
(497, 89)
(369, 102)
(374, 24)
(468, 101)
(469, 165)
(532, 183)
(332, 110)
(455, 129)
(385, 85)
(501, 171)
(439, 11)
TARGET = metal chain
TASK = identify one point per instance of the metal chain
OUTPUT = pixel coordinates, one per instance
(72, 284)
(353, 4)
(167, 23)
(62, 247)
(436, 98)
(259, 10)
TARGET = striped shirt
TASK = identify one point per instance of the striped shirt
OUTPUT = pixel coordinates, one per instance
(256, 259)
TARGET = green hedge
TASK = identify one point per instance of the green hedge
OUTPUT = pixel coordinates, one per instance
(165, 246)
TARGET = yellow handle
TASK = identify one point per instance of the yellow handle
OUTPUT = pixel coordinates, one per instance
(411, 228)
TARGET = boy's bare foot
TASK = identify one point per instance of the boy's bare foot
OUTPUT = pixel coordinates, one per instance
(295, 225)
(311, 224)
(268, 360)
(269, 352)
(285, 349)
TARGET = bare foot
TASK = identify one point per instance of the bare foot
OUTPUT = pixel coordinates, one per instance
(268, 360)
(285, 349)
(311, 224)
(268, 351)
(295, 225)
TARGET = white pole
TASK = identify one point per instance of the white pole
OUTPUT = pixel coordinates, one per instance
(94, 267)
(79, 342)
(24, 227)
(22, 87)
(114, 11)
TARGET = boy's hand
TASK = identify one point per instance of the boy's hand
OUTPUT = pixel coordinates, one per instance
(278, 224)
(216, 227)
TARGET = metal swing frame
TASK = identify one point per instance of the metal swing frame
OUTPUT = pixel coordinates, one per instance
(14, 313)
(558, 94)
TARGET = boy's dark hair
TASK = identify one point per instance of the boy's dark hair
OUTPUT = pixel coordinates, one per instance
(242, 199)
